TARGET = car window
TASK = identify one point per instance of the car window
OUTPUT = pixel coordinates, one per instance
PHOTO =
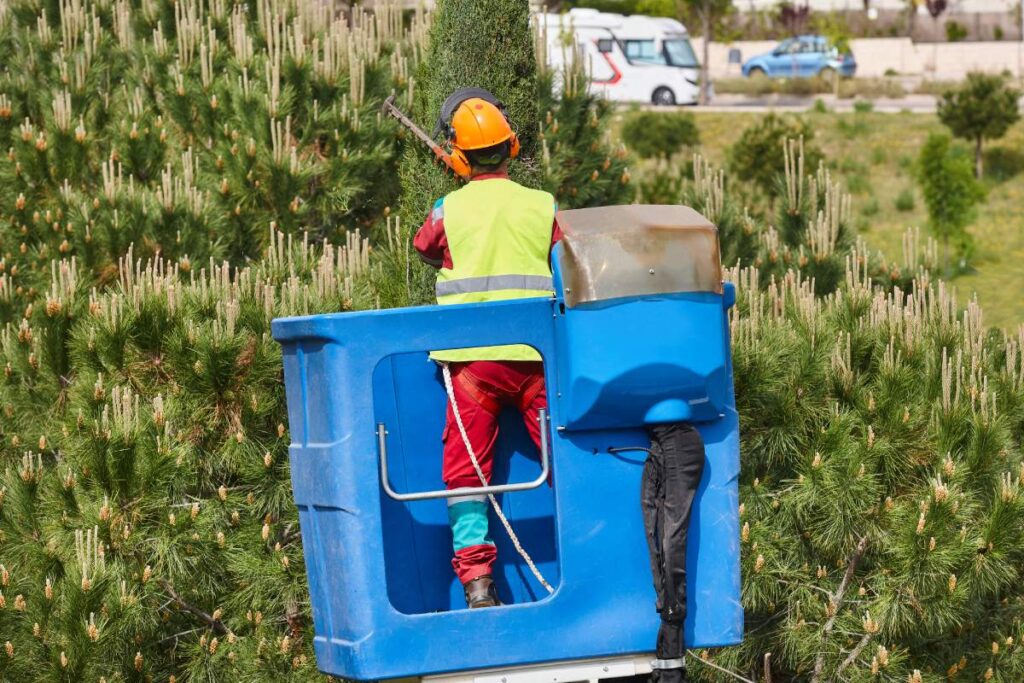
(680, 53)
(641, 50)
(785, 47)
(808, 47)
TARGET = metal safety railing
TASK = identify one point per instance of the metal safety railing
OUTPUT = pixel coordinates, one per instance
(545, 470)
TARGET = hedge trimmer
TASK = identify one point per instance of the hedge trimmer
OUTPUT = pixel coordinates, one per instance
(390, 109)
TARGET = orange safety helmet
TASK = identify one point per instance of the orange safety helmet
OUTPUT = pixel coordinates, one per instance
(478, 124)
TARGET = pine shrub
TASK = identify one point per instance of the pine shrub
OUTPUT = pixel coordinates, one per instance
(905, 200)
(148, 523)
(863, 106)
(870, 208)
(581, 166)
(167, 443)
(656, 134)
(755, 157)
(662, 183)
(881, 469)
(189, 134)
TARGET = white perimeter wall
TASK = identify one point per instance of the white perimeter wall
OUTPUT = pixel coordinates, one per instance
(943, 61)
(849, 5)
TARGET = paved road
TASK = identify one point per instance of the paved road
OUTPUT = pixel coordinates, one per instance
(919, 104)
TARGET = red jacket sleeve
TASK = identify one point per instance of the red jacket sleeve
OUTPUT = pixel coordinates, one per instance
(556, 236)
(430, 240)
(556, 233)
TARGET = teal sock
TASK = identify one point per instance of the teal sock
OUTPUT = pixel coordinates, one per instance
(468, 519)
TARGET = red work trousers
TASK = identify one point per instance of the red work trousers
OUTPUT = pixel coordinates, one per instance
(482, 389)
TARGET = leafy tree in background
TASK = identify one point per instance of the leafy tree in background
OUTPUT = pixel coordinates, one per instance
(794, 17)
(616, 6)
(835, 28)
(950, 191)
(658, 134)
(983, 108)
(707, 14)
(757, 155)
(656, 8)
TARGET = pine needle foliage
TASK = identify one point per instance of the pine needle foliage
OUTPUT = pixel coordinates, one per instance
(814, 234)
(881, 471)
(148, 524)
(148, 528)
(187, 128)
(581, 166)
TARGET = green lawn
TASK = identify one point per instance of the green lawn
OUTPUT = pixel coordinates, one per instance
(874, 154)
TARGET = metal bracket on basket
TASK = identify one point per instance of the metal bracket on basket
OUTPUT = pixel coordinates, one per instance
(545, 470)
(666, 664)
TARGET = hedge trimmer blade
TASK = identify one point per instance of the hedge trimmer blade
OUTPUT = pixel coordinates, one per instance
(390, 109)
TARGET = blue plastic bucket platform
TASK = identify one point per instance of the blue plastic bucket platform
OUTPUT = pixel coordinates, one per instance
(637, 333)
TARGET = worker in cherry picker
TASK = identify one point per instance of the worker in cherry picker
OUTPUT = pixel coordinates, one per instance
(490, 240)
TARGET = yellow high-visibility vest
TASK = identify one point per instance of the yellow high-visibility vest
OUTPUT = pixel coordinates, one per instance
(499, 238)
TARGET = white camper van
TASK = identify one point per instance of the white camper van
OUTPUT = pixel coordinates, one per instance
(629, 59)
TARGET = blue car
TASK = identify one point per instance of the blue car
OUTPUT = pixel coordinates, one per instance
(801, 57)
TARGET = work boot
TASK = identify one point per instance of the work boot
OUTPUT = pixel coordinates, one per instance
(480, 592)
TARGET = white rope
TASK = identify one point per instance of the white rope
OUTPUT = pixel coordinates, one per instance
(483, 480)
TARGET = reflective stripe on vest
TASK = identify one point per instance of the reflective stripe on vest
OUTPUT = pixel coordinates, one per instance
(499, 238)
(493, 283)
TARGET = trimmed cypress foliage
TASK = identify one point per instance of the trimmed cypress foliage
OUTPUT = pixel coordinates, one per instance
(483, 43)
(561, 126)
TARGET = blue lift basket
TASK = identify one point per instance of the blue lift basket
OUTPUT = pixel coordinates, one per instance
(636, 333)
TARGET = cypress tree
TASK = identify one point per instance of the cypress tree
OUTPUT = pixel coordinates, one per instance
(562, 130)
(482, 43)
